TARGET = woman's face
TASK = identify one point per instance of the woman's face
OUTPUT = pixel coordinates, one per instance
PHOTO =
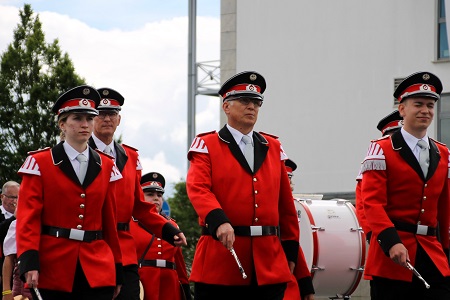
(77, 127)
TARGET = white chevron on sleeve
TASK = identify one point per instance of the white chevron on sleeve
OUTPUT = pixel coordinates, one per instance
(115, 174)
(198, 145)
(30, 166)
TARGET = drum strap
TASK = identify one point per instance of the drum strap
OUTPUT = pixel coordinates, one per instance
(148, 246)
(414, 228)
(249, 230)
(123, 226)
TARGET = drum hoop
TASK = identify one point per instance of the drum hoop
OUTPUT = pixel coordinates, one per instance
(363, 254)
(315, 237)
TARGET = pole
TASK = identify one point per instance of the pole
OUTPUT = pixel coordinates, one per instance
(192, 72)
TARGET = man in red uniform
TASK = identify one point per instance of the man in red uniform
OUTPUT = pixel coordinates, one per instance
(300, 286)
(161, 266)
(388, 125)
(129, 196)
(238, 185)
(406, 200)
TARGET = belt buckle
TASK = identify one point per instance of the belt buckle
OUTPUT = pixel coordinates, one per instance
(76, 234)
(422, 229)
(161, 263)
(256, 231)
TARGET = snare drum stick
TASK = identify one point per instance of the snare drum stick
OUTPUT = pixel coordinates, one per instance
(417, 274)
(37, 293)
(241, 269)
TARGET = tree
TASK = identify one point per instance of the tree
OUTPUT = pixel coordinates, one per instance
(182, 211)
(32, 75)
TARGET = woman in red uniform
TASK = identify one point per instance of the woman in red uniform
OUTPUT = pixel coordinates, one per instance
(161, 266)
(67, 240)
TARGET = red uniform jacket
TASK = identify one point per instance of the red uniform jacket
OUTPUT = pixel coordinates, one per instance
(159, 283)
(394, 189)
(52, 195)
(300, 284)
(130, 201)
(222, 188)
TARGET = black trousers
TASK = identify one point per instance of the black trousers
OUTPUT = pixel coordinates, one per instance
(130, 288)
(80, 290)
(388, 289)
(204, 291)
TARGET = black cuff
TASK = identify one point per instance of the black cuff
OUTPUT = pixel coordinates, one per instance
(119, 274)
(187, 291)
(368, 236)
(168, 232)
(306, 286)
(28, 261)
(446, 251)
(291, 250)
(214, 219)
(388, 238)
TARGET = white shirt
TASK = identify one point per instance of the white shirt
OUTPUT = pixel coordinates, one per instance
(72, 154)
(237, 135)
(101, 146)
(412, 142)
(9, 244)
(6, 213)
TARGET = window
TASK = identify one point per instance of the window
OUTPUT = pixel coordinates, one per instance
(442, 39)
(443, 130)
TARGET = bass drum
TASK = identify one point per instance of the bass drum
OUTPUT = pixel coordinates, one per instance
(333, 244)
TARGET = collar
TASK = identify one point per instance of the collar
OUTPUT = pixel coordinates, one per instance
(72, 153)
(237, 135)
(412, 140)
(101, 146)
(6, 213)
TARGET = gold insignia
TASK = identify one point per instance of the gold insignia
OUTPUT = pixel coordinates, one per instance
(253, 77)
(426, 76)
(105, 92)
(86, 91)
(155, 175)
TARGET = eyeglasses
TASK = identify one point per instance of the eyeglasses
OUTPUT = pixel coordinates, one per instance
(11, 197)
(246, 101)
(112, 115)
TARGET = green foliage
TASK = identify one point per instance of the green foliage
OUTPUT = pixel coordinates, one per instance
(32, 75)
(182, 211)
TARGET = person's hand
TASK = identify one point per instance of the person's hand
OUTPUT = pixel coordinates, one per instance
(399, 254)
(180, 240)
(32, 278)
(291, 266)
(225, 234)
(309, 297)
(117, 291)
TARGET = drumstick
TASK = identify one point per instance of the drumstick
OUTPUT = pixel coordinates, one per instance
(241, 269)
(37, 293)
(409, 266)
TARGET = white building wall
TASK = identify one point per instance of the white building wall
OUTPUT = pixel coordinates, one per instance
(330, 69)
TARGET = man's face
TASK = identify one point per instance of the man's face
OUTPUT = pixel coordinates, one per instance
(417, 113)
(106, 122)
(9, 198)
(154, 197)
(242, 113)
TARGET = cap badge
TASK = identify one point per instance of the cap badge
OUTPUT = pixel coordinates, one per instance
(105, 92)
(84, 102)
(251, 87)
(253, 77)
(425, 87)
(155, 175)
(426, 76)
(105, 102)
(86, 91)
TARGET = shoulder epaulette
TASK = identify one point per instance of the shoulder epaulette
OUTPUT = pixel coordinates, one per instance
(380, 139)
(38, 150)
(165, 216)
(132, 148)
(206, 133)
(437, 142)
(268, 134)
(103, 153)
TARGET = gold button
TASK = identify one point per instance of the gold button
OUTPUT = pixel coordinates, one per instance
(256, 192)
(158, 239)
(83, 195)
(424, 197)
(256, 219)
(256, 205)
(254, 179)
(79, 226)
(81, 217)
(426, 184)
(422, 210)
(159, 246)
(81, 205)
(159, 253)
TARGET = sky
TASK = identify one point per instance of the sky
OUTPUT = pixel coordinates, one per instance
(140, 49)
